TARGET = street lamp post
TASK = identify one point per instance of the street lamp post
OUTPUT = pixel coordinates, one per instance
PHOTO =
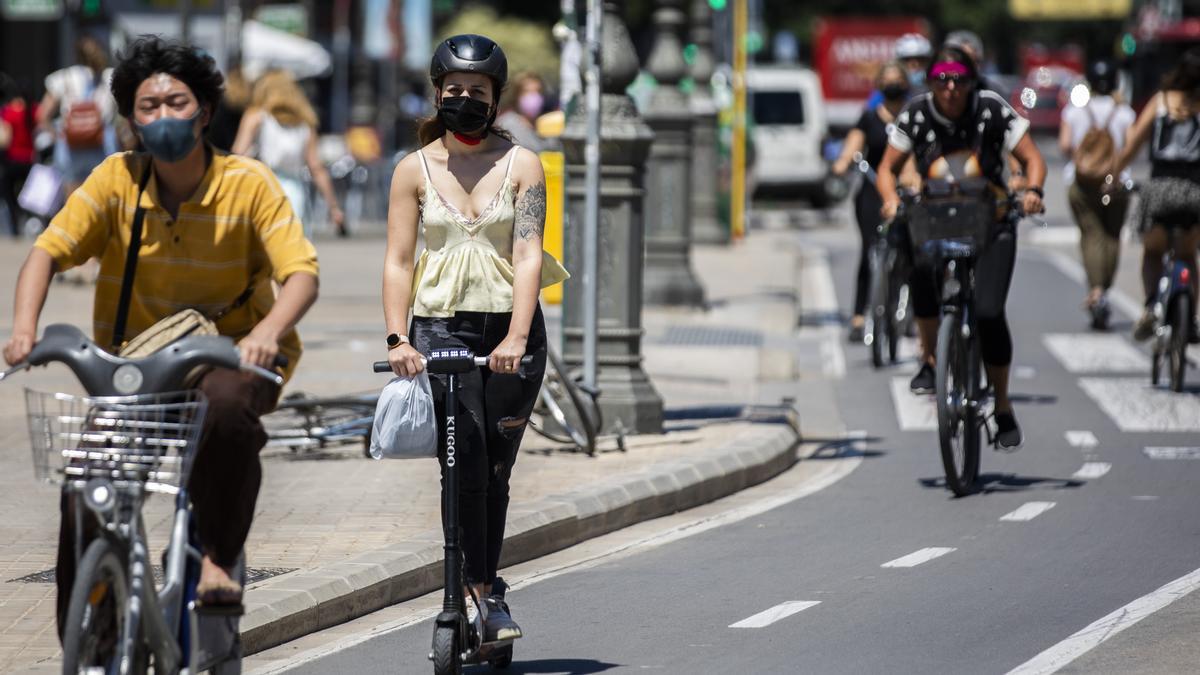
(706, 227)
(629, 398)
(669, 276)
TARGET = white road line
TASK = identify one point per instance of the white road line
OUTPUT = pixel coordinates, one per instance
(1060, 235)
(1080, 643)
(1133, 405)
(1082, 439)
(1024, 372)
(1172, 453)
(776, 613)
(1071, 269)
(1028, 511)
(818, 290)
(1096, 353)
(1092, 470)
(918, 557)
(913, 412)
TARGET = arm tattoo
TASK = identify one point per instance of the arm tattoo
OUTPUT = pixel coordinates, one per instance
(531, 213)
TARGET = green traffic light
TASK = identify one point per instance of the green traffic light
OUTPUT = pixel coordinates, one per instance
(1128, 44)
(90, 7)
(718, 5)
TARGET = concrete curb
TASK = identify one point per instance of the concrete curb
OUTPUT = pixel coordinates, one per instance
(294, 605)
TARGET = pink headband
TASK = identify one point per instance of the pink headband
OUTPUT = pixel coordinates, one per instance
(949, 68)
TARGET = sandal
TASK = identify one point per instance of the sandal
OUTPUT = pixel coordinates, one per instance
(221, 599)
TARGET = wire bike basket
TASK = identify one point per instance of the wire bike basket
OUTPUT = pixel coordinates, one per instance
(148, 439)
(961, 218)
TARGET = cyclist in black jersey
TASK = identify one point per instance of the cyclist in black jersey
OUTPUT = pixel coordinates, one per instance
(957, 131)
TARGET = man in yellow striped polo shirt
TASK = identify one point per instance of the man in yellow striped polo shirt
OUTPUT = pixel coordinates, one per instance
(216, 228)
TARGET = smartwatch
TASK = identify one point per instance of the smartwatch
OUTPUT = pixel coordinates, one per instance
(395, 340)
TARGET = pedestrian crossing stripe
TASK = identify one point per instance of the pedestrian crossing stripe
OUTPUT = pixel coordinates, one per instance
(913, 412)
(1133, 405)
(1091, 353)
(1172, 453)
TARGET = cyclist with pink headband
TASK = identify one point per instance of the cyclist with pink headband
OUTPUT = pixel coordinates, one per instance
(957, 131)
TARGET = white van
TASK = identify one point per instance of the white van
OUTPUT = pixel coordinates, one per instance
(788, 130)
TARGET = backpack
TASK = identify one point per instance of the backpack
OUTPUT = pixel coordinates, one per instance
(83, 123)
(1096, 154)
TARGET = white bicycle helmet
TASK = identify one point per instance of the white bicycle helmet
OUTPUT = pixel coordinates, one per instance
(913, 46)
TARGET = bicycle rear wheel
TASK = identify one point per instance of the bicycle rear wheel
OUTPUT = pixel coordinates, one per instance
(1181, 314)
(96, 612)
(564, 413)
(957, 386)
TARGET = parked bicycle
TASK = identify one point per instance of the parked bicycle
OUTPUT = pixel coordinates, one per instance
(132, 435)
(952, 231)
(303, 423)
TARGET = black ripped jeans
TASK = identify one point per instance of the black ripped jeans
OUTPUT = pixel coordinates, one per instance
(493, 410)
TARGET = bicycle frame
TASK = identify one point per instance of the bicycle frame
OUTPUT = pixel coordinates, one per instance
(1175, 279)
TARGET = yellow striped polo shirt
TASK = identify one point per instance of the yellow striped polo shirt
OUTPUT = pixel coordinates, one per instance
(237, 230)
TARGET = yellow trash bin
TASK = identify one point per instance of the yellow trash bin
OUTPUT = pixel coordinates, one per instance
(553, 165)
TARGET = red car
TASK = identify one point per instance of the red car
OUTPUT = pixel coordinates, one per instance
(1043, 94)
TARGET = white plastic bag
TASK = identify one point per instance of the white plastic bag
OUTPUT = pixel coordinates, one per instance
(405, 426)
(42, 191)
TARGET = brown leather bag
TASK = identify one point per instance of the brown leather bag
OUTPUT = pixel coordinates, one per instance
(1096, 156)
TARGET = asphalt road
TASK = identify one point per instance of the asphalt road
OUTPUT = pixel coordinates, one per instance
(1091, 525)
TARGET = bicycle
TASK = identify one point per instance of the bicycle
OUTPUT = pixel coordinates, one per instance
(304, 422)
(455, 641)
(133, 434)
(567, 411)
(951, 230)
(888, 316)
(1173, 309)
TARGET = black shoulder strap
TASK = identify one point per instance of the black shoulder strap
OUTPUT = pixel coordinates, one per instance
(131, 259)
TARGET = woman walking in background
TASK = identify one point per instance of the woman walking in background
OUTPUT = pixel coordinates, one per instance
(18, 122)
(280, 129)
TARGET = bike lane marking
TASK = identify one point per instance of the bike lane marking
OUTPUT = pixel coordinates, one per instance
(1092, 470)
(1083, 440)
(777, 613)
(1133, 405)
(914, 412)
(918, 557)
(1028, 511)
(1063, 653)
(1162, 452)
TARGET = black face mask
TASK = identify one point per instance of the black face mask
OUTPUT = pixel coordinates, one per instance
(895, 92)
(464, 115)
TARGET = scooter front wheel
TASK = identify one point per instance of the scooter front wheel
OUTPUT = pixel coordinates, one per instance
(502, 657)
(446, 660)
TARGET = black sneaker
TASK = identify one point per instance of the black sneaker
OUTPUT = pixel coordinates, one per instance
(499, 625)
(1194, 334)
(1100, 313)
(1008, 433)
(1144, 327)
(855, 334)
(924, 381)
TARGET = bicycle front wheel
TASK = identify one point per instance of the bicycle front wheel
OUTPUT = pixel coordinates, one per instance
(878, 322)
(565, 413)
(957, 386)
(96, 613)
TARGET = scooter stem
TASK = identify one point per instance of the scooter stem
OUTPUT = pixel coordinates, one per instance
(453, 600)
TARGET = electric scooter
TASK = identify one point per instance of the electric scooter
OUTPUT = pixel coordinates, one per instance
(455, 641)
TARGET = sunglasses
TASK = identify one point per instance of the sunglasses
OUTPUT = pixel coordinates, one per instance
(943, 80)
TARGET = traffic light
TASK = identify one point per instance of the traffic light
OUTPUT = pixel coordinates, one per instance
(1128, 44)
(89, 8)
(718, 5)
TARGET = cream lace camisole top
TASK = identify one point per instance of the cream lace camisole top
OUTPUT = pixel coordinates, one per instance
(467, 263)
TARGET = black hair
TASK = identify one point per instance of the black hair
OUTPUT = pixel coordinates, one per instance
(150, 54)
(1185, 76)
(953, 54)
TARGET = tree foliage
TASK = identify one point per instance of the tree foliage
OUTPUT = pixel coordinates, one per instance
(527, 44)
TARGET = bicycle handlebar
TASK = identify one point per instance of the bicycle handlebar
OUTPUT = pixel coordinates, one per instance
(105, 374)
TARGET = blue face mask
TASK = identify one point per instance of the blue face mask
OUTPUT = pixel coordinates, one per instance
(916, 78)
(169, 139)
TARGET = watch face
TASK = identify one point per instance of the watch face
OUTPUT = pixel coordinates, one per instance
(393, 340)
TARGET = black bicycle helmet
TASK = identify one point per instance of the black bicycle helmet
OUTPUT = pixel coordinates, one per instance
(469, 54)
(1102, 77)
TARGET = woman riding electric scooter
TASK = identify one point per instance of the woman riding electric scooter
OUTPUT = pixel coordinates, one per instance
(481, 203)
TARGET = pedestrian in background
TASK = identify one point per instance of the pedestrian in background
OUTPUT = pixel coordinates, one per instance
(280, 129)
(78, 106)
(1090, 137)
(228, 118)
(869, 138)
(18, 122)
(1171, 124)
(520, 108)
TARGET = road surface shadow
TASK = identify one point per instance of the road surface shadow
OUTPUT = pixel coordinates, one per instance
(990, 483)
(566, 666)
(1033, 399)
(841, 448)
